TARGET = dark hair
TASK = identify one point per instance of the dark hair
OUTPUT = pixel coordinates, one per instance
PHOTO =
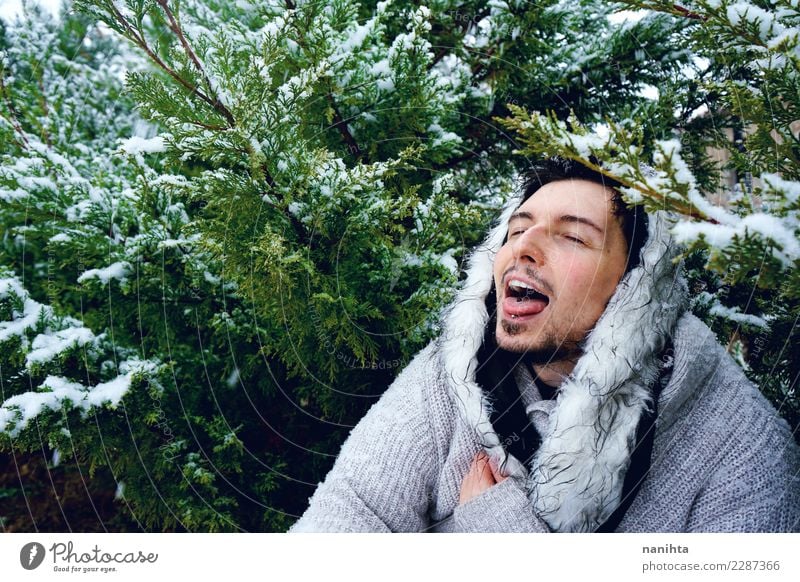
(634, 220)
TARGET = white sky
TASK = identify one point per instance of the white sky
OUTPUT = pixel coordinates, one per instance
(11, 8)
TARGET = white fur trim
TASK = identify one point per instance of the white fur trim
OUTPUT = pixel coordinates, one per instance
(577, 474)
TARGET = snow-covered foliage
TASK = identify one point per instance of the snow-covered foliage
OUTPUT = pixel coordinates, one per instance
(233, 223)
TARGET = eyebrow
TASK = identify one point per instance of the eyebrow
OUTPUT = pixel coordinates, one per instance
(563, 218)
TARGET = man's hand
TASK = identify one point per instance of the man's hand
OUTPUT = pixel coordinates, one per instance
(482, 474)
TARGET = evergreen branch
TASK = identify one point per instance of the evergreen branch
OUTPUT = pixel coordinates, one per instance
(214, 100)
(45, 109)
(140, 41)
(463, 26)
(668, 8)
(297, 227)
(13, 118)
(640, 184)
(543, 134)
(341, 125)
(208, 126)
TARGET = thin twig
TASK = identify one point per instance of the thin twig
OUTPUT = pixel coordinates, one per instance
(686, 13)
(176, 28)
(142, 44)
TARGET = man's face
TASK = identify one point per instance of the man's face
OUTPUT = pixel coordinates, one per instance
(553, 247)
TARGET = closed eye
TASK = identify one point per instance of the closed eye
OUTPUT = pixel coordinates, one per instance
(577, 240)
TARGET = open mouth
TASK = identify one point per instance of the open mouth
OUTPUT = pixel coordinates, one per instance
(523, 299)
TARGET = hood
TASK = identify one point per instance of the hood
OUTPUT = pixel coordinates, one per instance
(575, 478)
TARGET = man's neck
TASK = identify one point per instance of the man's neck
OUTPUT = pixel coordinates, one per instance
(553, 374)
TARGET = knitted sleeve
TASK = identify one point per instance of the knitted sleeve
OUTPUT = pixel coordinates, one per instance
(383, 478)
(503, 508)
(756, 488)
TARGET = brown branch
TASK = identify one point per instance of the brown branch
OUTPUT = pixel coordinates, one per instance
(341, 125)
(208, 126)
(686, 13)
(176, 28)
(142, 44)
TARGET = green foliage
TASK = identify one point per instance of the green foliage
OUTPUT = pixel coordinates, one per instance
(256, 230)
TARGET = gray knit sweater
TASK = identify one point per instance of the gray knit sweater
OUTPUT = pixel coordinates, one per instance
(723, 460)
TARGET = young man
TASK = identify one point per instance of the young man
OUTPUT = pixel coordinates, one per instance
(571, 390)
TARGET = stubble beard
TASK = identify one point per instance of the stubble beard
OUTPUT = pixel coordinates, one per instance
(543, 351)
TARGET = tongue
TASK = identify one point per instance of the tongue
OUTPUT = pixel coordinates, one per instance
(516, 306)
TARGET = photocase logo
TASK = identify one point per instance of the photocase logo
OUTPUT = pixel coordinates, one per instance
(31, 555)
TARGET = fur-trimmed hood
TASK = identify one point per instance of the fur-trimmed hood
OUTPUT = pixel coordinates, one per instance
(576, 476)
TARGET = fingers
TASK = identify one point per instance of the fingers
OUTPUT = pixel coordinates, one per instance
(486, 463)
(496, 474)
(483, 468)
(481, 476)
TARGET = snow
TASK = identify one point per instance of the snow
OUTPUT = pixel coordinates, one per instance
(627, 16)
(789, 189)
(118, 270)
(110, 392)
(31, 314)
(383, 71)
(11, 9)
(449, 261)
(700, 111)
(717, 235)
(60, 237)
(47, 346)
(734, 314)
(731, 313)
(140, 145)
(649, 92)
(587, 144)
(55, 391)
(744, 11)
(632, 194)
(774, 228)
(381, 68)
(22, 408)
(357, 37)
(720, 235)
(12, 195)
(442, 136)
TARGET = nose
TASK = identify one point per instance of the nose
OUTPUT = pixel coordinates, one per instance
(529, 245)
